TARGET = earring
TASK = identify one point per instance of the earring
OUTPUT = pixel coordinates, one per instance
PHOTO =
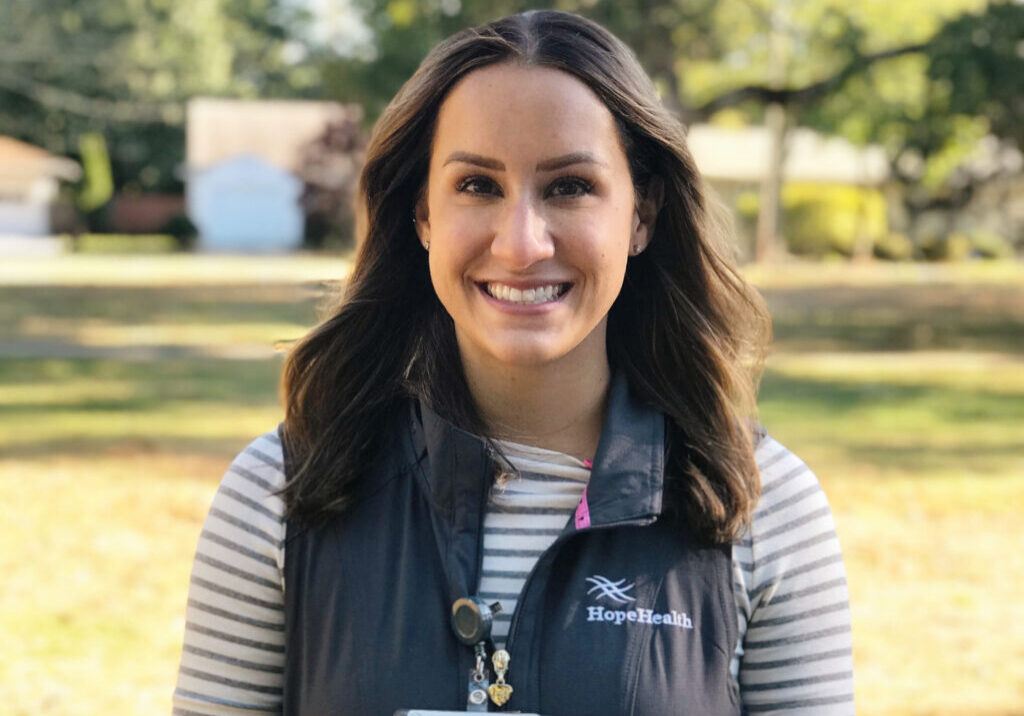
(635, 249)
(426, 245)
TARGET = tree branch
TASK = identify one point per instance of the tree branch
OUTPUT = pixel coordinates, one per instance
(802, 95)
(115, 110)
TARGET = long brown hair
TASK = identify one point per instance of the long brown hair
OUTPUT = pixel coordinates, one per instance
(686, 330)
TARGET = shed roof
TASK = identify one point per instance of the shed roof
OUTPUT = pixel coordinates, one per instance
(274, 130)
(22, 161)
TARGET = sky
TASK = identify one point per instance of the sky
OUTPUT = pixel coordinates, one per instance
(339, 26)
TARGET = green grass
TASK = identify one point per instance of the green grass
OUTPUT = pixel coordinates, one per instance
(135, 380)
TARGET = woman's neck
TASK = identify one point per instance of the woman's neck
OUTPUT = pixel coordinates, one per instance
(559, 406)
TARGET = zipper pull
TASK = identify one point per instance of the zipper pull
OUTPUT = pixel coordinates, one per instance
(500, 692)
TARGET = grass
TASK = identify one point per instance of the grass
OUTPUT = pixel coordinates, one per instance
(128, 383)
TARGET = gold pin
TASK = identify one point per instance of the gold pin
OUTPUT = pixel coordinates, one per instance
(499, 691)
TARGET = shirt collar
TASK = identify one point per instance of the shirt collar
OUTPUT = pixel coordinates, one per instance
(626, 483)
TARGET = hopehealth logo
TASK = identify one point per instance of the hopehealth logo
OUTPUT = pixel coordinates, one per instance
(616, 592)
(613, 590)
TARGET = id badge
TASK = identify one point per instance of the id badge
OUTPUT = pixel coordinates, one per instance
(429, 712)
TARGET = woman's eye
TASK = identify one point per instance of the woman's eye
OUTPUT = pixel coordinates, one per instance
(477, 185)
(570, 187)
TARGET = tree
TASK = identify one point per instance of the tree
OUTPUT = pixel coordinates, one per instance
(925, 78)
(931, 106)
(125, 70)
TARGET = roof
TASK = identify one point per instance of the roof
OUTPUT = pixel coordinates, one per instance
(741, 155)
(19, 160)
(277, 131)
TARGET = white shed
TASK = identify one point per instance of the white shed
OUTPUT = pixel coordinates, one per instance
(246, 204)
(243, 159)
(29, 184)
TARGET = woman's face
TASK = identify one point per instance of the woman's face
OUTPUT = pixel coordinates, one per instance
(529, 214)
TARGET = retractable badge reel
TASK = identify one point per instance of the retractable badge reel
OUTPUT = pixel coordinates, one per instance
(471, 621)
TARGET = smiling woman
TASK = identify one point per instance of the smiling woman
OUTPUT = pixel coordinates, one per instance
(530, 217)
(520, 463)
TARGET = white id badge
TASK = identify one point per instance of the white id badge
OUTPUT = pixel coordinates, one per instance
(428, 712)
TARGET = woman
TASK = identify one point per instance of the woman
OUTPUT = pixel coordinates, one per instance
(537, 396)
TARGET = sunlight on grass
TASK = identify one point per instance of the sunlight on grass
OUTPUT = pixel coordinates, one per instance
(96, 559)
(922, 457)
(175, 421)
(944, 369)
(843, 273)
(101, 332)
(48, 394)
(902, 386)
(168, 270)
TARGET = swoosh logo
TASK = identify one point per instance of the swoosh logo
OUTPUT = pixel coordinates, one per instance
(613, 590)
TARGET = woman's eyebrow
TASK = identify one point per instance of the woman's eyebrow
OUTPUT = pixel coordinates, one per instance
(568, 160)
(546, 165)
(476, 159)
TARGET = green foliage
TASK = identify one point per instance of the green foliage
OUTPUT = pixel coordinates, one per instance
(978, 60)
(827, 219)
(403, 34)
(990, 245)
(124, 244)
(124, 69)
(820, 220)
(182, 229)
(98, 186)
(930, 109)
(977, 243)
(893, 247)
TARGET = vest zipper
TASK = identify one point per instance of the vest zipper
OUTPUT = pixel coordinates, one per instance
(514, 626)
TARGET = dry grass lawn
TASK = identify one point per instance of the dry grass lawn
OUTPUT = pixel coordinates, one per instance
(127, 384)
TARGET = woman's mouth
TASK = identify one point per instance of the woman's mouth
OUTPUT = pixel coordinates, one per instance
(526, 296)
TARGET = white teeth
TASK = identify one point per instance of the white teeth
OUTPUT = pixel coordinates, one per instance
(538, 294)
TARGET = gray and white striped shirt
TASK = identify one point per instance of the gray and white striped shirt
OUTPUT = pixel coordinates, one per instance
(793, 654)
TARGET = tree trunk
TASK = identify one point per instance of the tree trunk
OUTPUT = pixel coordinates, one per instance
(769, 206)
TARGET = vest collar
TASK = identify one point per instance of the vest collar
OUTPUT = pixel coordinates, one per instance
(626, 480)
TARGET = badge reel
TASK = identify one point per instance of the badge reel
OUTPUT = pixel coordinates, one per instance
(471, 620)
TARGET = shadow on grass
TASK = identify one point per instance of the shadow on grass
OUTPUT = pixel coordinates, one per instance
(223, 448)
(163, 305)
(858, 333)
(922, 459)
(823, 396)
(80, 395)
(924, 317)
(918, 428)
(145, 385)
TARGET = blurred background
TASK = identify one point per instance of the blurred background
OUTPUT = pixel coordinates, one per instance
(176, 204)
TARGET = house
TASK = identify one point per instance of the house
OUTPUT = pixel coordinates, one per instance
(243, 160)
(739, 157)
(836, 195)
(29, 185)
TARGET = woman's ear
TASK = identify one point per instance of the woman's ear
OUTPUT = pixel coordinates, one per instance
(421, 220)
(645, 215)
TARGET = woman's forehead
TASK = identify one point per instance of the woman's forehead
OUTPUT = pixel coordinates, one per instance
(508, 109)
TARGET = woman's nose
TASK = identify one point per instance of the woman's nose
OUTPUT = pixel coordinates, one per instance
(522, 238)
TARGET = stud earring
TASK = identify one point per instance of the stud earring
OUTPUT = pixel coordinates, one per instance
(426, 245)
(635, 249)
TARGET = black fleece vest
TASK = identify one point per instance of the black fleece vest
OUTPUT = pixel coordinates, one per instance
(628, 615)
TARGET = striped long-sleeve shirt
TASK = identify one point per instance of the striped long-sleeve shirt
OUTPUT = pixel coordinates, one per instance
(794, 650)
